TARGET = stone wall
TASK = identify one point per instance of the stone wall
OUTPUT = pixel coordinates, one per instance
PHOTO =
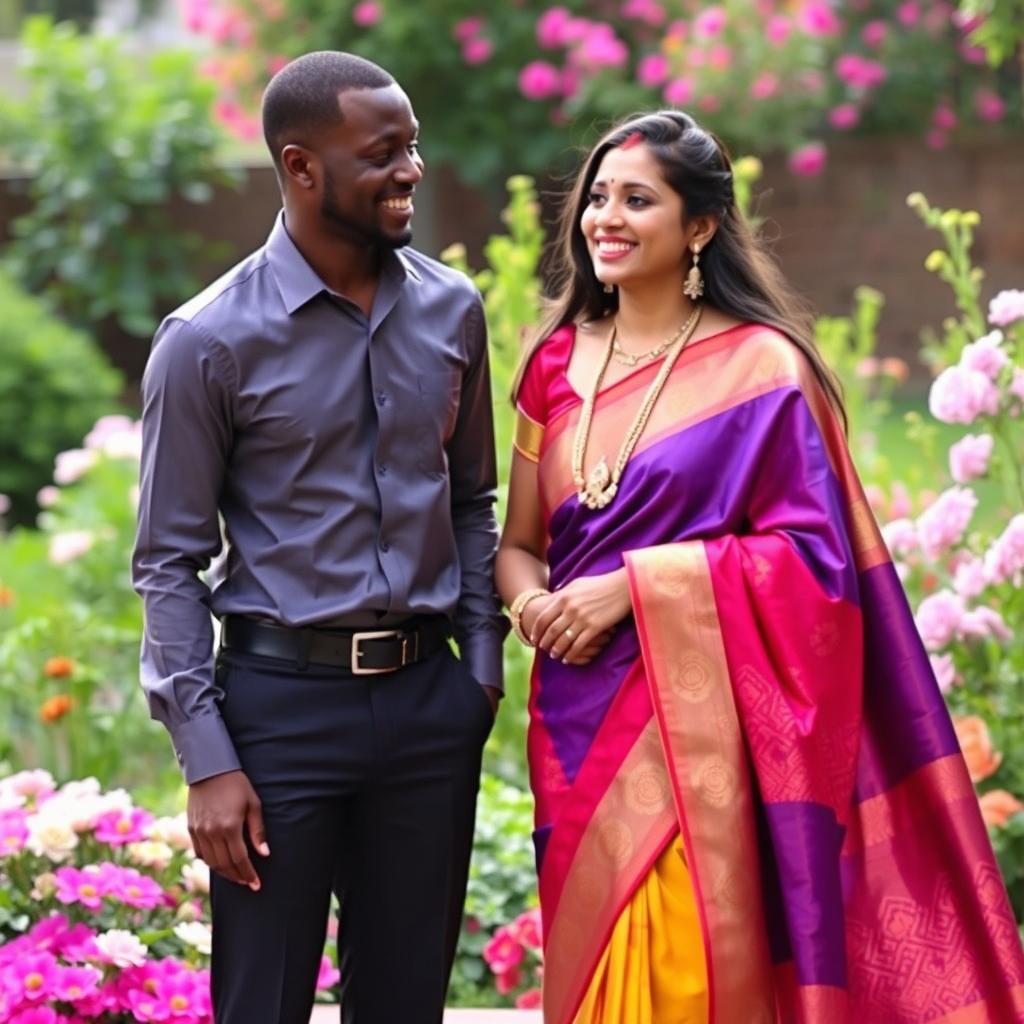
(851, 226)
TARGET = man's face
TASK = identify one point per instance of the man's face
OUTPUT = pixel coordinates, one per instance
(371, 166)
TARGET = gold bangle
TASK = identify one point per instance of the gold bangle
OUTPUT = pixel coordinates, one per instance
(517, 608)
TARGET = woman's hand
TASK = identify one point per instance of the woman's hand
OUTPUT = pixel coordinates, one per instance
(574, 623)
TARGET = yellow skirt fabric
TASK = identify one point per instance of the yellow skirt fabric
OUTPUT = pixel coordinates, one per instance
(652, 970)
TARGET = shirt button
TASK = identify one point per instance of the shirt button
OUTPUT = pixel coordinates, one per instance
(383, 469)
(385, 546)
(382, 398)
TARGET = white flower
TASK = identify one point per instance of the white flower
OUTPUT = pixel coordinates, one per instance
(943, 523)
(67, 546)
(196, 876)
(89, 786)
(121, 948)
(195, 934)
(50, 836)
(900, 537)
(150, 854)
(1006, 307)
(985, 355)
(31, 783)
(172, 831)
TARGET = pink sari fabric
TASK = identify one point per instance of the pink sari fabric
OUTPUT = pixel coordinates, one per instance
(770, 701)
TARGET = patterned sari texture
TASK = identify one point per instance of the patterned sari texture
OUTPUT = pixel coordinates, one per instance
(751, 807)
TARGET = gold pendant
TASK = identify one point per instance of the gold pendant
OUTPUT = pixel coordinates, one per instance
(599, 489)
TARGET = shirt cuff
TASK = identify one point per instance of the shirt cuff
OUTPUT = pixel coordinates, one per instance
(204, 748)
(482, 656)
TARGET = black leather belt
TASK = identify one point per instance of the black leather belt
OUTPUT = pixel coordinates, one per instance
(362, 652)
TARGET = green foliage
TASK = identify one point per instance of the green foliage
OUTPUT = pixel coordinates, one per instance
(1001, 29)
(107, 140)
(55, 383)
(65, 594)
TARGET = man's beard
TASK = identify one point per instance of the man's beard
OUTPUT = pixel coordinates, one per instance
(352, 230)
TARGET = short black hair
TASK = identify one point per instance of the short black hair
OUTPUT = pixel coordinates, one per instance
(303, 96)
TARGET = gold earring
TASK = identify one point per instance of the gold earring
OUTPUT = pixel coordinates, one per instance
(609, 289)
(694, 287)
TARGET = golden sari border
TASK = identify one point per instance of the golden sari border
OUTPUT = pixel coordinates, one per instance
(626, 835)
(677, 620)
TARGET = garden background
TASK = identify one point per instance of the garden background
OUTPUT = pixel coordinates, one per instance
(880, 147)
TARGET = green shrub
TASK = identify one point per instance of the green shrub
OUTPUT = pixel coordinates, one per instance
(54, 384)
(107, 140)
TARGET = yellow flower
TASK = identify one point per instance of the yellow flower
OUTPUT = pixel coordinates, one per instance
(935, 261)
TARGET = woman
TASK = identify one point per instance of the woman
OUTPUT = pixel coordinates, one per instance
(750, 802)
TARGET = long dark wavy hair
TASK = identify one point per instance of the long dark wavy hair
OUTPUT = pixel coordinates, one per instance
(740, 277)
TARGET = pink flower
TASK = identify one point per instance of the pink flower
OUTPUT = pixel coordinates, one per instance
(1006, 308)
(989, 105)
(540, 80)
(985, 355)
(1004, 560)
(875, 33)
(644, 10)
(529, 1000)
(709, 23)
(69, 466)
(971, 54)
(900, 503)
(277, 63)
(960, 395)
(120, 827)
(37, 1015)
(526, 928)
(328, 975)
(983, 622)
(720, 57)
(477, 51)
(467, 28)
(908, 13)
(652, 69)
(900, 537)
(32, 977)
(969, 579)
(968, 458)
(943, 117)
(778, 29)
(503, 952)
(1016, 387)
(943, 523)
(75, 983)
(859, 72)
(13, 832)
(508, 981)
(709, 104)
(553, 28)
(844, 117)
(808, 161)
(679, 92)
(35, 784)
(366, 13)
(936, 139)
(133, 888)
(602, 48)
(944, 669)
(938, 618)
(817, 18)
(85, 887)
(48, 496)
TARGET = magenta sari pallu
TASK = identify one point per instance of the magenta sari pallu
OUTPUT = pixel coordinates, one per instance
(771, 702)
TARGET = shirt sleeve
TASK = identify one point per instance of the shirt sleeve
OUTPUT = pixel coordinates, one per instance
(531, 409)
(186, 440)
(479, 625)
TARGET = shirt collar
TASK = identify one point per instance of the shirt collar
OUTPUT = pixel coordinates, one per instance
(299, 282)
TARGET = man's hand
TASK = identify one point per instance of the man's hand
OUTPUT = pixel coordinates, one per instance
(219, 808)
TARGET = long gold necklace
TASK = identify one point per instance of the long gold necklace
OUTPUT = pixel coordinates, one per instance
(630, 358)
(598, 489)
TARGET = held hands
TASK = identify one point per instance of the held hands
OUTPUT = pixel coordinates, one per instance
(218, 810)
(573, 624)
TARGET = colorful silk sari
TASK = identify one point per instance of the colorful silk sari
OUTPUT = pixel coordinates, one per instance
(768, 718)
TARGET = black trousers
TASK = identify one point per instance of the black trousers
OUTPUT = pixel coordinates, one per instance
(368, 786)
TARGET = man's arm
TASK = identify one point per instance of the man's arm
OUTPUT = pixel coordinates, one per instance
(187, 435)
(480, 627)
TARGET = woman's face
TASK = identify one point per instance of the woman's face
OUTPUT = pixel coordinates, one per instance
(633, 222)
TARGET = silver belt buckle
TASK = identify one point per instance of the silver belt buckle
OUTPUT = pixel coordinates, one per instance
(358, 638)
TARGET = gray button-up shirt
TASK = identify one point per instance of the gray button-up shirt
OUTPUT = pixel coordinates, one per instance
(351, 458)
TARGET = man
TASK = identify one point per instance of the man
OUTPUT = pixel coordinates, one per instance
(329, 398)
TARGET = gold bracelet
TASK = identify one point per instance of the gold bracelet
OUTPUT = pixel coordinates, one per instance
(517, 608)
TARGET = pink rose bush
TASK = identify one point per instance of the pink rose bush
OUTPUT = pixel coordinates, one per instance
(962, 555)
(515, 958)
(106, 909)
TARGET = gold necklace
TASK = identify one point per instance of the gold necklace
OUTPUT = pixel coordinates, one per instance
(631, 359)
(598, 490)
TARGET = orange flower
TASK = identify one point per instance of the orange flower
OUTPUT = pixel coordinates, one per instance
(59, 667)
(976, 744)
(998, 807)
(6, 597)
(56, 708)
(895, 368)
